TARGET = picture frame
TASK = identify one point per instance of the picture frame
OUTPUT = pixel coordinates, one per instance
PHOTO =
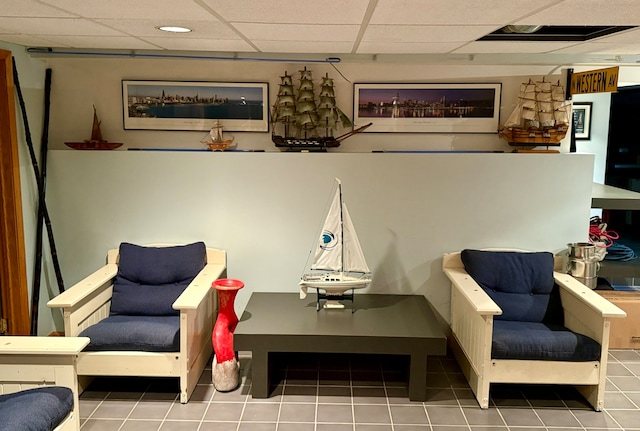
(425, 108)
(582, 119)
(195, 105)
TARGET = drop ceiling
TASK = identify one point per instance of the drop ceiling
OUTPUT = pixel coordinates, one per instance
(357, 29)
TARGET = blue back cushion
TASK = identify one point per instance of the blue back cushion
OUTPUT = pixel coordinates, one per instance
(150, 279)
(521, 284)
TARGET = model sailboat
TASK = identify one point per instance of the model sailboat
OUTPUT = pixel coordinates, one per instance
(541, 116)
(96, 142)
(215, 140)
(339, 264)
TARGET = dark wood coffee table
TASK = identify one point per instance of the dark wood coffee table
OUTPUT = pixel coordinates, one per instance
(379, 324)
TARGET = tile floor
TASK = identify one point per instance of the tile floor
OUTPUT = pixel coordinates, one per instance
(359, 393)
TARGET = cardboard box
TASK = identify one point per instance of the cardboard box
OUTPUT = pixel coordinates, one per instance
(624, 333)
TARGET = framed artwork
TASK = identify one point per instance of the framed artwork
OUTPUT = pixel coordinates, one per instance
(180, 105)
(582, 119)
(428, 108)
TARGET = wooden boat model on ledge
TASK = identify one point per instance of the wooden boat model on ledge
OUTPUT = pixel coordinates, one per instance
(215, 140)
(96, 142)
(307, 120)
(541, 116)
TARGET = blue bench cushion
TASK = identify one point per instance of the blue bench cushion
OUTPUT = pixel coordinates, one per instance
(540, 341)
(143, 333)
(521, 284)
(150, 279)
(38, 409)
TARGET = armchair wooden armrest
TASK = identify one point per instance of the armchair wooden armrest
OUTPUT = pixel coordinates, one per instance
(84, 288)
(472, 292)
(86, 302)
(199, 287)
(585, 311)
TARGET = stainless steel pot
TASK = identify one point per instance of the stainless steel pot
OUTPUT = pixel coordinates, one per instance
(582, 250)
(583, 268)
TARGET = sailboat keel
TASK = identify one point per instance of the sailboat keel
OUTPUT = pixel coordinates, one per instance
(332, 300)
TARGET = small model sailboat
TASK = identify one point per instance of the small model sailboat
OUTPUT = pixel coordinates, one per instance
(339, 264)
(215, 140)
(541, 116)
(96, 142)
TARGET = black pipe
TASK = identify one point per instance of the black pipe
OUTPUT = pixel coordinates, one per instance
(36, 171)
(37, 268)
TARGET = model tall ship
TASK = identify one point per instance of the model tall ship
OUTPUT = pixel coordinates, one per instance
(541, 116)
(303, 120)
(338, 264)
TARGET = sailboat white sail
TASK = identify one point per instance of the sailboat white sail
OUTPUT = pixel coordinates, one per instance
(339, 264)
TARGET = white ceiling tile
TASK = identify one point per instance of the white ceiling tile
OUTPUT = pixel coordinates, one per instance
(600, 48)
(128, 9)
(424, 33)
(56, 26)
(511, 47)
(304, 47)
(30, 8)
(201, 29)
(312, 26)
(587, 12)
(27, 40)
(298, 32)
(406, 48)
(192, 44)
(471, 12)
(110, 42)
(291, 11)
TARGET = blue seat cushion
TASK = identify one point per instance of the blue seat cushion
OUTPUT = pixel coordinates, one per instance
(142, 333)
(150, 279)
(521, 284)
(38, 409)
(540, 341)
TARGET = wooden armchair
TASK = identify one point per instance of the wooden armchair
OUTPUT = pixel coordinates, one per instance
(38, 382)
(137, 326)
(476, 316)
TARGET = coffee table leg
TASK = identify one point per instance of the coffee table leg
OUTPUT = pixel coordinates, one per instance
(260, 374)
(418, 377)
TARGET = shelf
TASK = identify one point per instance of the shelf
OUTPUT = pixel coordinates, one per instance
(614, 198)
(616, 269)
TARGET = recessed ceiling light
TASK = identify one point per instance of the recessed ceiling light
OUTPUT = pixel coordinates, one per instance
(174, 29)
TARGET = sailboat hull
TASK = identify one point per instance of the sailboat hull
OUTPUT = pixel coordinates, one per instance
(308, 144)
(334, 284)
(523, 136)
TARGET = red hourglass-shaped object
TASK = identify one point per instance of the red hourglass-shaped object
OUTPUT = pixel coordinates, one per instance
(225, 369)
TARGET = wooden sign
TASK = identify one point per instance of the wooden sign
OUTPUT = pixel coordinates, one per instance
(595, 81)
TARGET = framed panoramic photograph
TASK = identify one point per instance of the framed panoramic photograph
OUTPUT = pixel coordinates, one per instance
(428, 108)
(180, 105)
(582, 119)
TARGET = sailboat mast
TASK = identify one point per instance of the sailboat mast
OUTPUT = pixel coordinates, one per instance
(341, 225)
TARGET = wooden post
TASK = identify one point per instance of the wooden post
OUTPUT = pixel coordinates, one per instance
(13, 273)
